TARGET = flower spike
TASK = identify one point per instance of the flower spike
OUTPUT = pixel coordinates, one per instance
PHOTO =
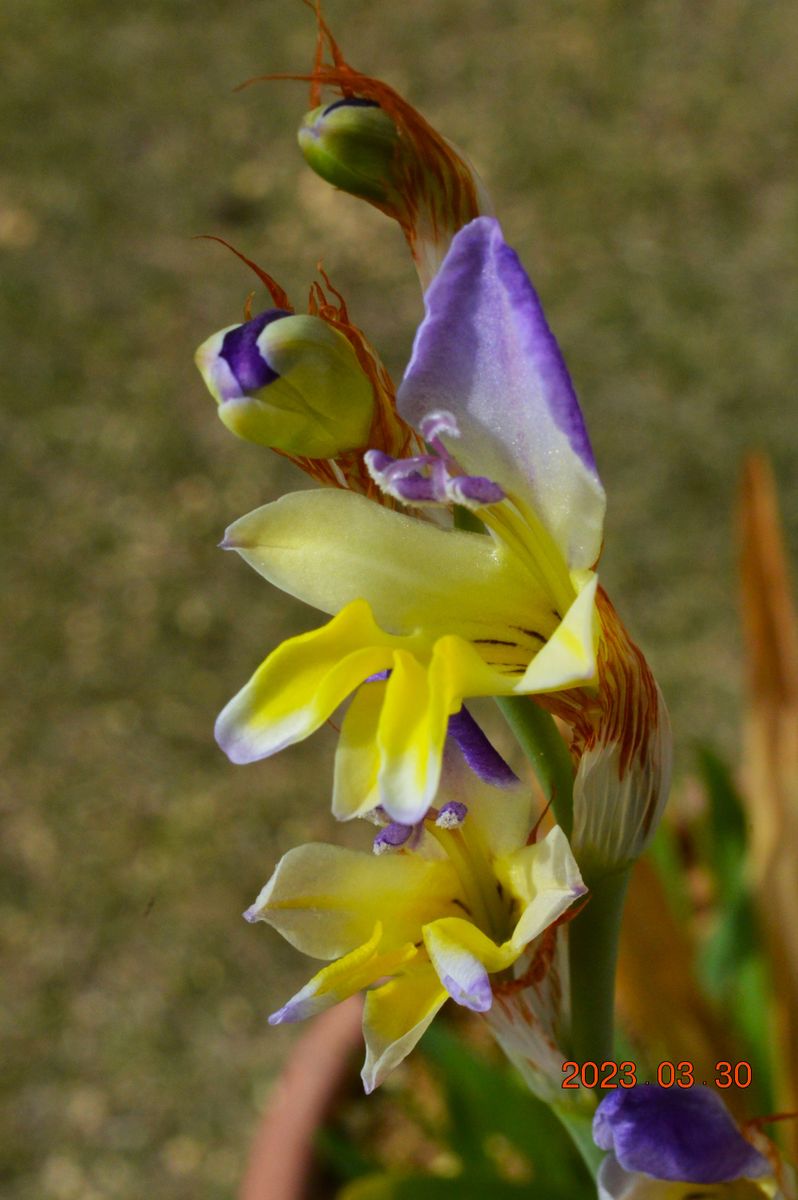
(371, 143)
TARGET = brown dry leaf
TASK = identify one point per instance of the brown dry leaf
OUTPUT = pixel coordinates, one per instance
(658, 995)
(770, 764)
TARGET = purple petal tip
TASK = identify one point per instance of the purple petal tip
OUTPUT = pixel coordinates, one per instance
(478, 997)
(289, 1014)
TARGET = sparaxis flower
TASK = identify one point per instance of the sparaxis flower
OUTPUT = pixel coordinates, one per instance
(447, 917)
(449, 613)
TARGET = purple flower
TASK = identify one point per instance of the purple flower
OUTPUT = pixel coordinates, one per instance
(672, 1134)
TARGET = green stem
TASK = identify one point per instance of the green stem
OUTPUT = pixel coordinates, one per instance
(579, 1125)
(538, 736)
(593, 952)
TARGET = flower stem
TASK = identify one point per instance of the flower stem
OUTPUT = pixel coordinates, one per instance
(593, 952)
(538, 736)
(579, 1125)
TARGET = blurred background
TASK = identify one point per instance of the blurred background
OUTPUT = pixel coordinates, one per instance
(642, 158)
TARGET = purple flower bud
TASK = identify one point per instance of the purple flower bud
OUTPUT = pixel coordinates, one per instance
(241, 353)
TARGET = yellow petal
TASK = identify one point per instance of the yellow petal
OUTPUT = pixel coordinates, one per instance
(463, 956)
(301, 683)
(324, 899)
(395, 1017)
(357, 758)
(411, 734)
(500, 819)
(568, 657)
(343, 978)
(545, 879)
(329, 548)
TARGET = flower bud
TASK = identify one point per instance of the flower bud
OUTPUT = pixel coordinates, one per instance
(293, 383)
(353, 144)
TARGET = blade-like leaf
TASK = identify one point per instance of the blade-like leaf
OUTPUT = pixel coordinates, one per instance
(463, 1187)
(484, 1099)
(770, 764)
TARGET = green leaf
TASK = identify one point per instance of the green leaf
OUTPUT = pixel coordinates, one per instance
(726, 842)
(484, 1099)
(732, 965)
(463, 1187)
(343, 1159)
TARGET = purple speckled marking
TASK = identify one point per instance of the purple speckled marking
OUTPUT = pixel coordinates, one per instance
(241, 353)
(482, 757)
(674, 1134)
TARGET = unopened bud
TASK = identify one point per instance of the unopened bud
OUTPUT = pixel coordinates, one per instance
(293, 383)
(353, 144)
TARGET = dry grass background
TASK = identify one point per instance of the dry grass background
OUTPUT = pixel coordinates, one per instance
(642, 156)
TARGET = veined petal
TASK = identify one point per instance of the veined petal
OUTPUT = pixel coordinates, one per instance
(544, 877)
(395, 1016)
(357, 758)
(485, 353)
(569, 656)
(343, 978)
(329, 548)
(324, 899)
(301, 683)
(463, 956)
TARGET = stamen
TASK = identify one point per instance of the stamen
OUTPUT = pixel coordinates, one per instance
(437, 424)
(432, 478)
(451, 815)
(392, 837)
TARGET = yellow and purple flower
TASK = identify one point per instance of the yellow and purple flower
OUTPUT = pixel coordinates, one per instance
(449, 613)
(453, 913)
